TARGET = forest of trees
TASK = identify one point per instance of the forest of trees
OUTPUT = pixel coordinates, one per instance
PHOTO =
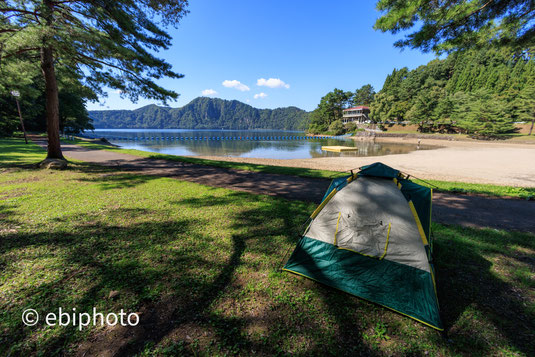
(203, 113)
(26, 78)
(481, 92)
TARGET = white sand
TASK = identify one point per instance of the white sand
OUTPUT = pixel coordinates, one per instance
(464, 161)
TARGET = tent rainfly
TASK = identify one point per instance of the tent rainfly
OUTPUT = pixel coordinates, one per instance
(370, 237)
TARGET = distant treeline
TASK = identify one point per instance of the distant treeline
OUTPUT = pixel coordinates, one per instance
(203, 113)
(478, 92)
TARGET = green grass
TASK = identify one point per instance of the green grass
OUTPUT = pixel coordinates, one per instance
(202, 265)
(441, 186)
(481, 189)
(520, 137)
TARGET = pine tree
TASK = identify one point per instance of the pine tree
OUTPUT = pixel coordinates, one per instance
(363, 96)
(106, 42)
(526, 105)
(482, 114)
(451, 25)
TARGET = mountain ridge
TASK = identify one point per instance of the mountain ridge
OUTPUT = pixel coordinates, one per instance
(202, 113)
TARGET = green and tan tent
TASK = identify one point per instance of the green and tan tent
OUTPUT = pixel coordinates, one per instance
(370, 237)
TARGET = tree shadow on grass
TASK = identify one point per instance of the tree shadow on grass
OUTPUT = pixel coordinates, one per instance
(230, 331)
(113, 180)
(474, 300)
(160, 268)
(7, 214)
(97, 258)
(167, 320)
(188, 283)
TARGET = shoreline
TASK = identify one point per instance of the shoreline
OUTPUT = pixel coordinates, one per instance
(499, 163)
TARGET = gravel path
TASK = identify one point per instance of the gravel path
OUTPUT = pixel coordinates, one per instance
(465, 210)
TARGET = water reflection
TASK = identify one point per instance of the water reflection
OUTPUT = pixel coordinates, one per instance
(272, 144)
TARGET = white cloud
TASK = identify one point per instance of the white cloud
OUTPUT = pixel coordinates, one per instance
(260, 95)
(117, 91)
(235, 84)
(209, 92)
(272, 83)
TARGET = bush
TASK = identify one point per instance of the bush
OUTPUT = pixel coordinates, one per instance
(316, 129)
(337, 127)
(351, 127)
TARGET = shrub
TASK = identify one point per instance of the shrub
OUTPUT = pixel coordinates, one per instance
(337, 127)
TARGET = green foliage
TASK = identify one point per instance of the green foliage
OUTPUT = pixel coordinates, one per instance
(449, 25)
(433, 95)
(363, 96)
(482, 114)
(351, 127)
(9, 121)
(391, 101)
(318, 121)
(26, 77)
(107, 43)
(525, 104)
(203, 113)
(337, 127)
(16, 75)
(425, 110)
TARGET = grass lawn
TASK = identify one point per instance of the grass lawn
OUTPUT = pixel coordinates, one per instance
(442, 186)
(201, 264)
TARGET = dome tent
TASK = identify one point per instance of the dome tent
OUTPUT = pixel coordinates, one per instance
(369, 237)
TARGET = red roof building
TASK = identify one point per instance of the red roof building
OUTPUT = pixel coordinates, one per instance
(357, 114)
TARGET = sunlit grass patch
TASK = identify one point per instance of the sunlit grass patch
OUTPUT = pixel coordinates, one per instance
(13, 151)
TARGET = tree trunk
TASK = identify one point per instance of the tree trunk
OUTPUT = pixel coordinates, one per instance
(51, 104)
(531, 129)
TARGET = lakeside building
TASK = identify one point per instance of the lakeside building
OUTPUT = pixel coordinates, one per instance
(356, 115)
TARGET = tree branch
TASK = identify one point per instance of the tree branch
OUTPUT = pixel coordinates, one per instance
(110, 65)
(21, 51)
(21, 11)
(63, 2)
(465, 18)
(10, 30)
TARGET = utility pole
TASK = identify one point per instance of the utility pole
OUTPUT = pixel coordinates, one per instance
(16, 94)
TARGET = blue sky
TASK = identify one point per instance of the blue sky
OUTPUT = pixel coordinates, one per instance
(306, 48)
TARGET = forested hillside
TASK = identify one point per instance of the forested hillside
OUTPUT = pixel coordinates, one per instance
(479, 92)
(203, 113)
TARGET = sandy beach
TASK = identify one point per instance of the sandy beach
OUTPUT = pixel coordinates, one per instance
(463, 161)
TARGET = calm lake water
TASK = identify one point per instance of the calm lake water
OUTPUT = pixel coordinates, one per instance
(269, 144)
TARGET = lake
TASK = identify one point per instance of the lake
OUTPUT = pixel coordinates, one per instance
(269, 144)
